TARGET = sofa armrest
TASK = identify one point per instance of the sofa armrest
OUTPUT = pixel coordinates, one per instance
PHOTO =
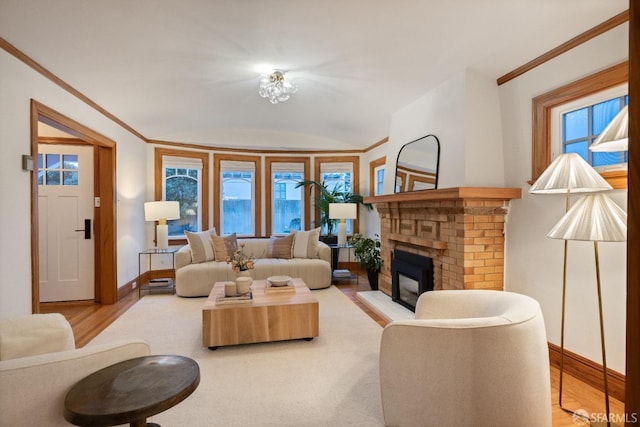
(324, 252)
(183, 256)
(40, 383)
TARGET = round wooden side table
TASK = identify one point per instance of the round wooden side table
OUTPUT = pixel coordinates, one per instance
(131, 391)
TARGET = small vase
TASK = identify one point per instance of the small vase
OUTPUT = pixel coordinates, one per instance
(243, 281)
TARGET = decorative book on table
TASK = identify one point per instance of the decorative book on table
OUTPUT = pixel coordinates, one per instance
(236, 299)
(279, 289)
(341, 273)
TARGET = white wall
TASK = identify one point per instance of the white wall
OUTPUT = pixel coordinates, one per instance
(18, 85)
(534, 262)
(464, 113)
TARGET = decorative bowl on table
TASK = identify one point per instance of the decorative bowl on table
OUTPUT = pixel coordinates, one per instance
(278, 280)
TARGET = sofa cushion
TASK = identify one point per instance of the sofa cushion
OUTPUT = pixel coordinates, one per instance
(280, 247)
(224, 246)
(201, 245)
(305, 243)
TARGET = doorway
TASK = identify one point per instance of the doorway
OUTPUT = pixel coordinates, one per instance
(103, 227)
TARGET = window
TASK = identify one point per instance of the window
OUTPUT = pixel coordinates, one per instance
(182, 176)
(581, 127)
(57, 169)
(237, 195)
(542, 116)
(339, 173)
(376, 176)
(286, 207)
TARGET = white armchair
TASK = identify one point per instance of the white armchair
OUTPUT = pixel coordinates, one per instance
(470, 358)
(39, 364)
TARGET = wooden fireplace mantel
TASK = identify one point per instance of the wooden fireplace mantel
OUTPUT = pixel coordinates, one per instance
(453, 193)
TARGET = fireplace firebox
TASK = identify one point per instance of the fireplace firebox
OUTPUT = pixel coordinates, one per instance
(411, 275)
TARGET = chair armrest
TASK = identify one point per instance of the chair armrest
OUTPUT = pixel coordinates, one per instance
(40, 383)
(35, 334)
(183, 256)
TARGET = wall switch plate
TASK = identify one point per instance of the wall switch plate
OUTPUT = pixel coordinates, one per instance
(96, 202)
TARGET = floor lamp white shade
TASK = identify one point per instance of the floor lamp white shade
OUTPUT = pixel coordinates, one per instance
(615, 137)
(343, 211)
(569, 173)
(161, 211)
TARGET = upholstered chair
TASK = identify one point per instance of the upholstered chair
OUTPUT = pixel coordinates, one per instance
(39, 364)
(469, 358)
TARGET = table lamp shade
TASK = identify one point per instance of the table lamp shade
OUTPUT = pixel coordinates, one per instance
(343, 211)
(161, 211)
(615, 137)
(594, 217)
(569, 172)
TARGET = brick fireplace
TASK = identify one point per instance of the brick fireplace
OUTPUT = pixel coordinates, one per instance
(461, 229)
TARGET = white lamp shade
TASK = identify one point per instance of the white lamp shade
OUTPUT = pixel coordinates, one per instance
(161, 210)
(615, 136)
(343, 210)
(594, 217)
(569, 172)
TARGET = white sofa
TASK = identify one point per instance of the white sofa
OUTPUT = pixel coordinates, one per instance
(470, 358)
(197, 279)
(39, 364)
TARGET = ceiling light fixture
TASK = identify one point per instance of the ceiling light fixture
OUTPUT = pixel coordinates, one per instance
(274, 88)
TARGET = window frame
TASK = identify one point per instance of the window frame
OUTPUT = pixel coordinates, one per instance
(542, 110)
(269, 161)
(217, 189)
(159, 153)
(374, 165)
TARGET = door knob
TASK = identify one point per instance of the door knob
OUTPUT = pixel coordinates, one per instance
(86, 229)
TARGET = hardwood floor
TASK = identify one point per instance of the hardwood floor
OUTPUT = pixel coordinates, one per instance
(88, 320)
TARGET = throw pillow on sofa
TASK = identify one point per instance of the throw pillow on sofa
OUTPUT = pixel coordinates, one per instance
(201, 245)
(280, 247)
(224, 246)
(305, 243)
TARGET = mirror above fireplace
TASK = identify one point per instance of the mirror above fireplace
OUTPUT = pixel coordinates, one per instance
(417, 165)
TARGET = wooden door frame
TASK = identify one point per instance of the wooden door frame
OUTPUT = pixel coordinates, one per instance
(106, 287)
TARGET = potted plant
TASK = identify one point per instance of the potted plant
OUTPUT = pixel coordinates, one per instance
(325, 197)
(367, 252)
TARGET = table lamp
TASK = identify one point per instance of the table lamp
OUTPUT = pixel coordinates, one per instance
(161, 211)
(343, 211)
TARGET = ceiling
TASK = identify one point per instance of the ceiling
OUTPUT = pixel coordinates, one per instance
(185, 70)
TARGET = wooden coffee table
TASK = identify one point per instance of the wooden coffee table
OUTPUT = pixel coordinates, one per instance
(270, 316)
(131, 391)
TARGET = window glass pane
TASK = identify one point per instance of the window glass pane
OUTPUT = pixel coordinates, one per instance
(39, 161)
(53, 161)
(53, 177)
(70, 178)
(237, 202)
(604, 158)
(70, 161)
(575, 124)
(603, 113)
(579, 148)
(40, 177)
(181, 186)
(338, 182)
(379, 181)
(287, 202)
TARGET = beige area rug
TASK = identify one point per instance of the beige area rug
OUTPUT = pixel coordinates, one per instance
(330, 381)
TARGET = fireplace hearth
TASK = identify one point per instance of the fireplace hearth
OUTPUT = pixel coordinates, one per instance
(412, 275)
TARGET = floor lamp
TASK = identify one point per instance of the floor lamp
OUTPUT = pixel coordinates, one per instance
(595, 218)
(342, 212)
(568, 173)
